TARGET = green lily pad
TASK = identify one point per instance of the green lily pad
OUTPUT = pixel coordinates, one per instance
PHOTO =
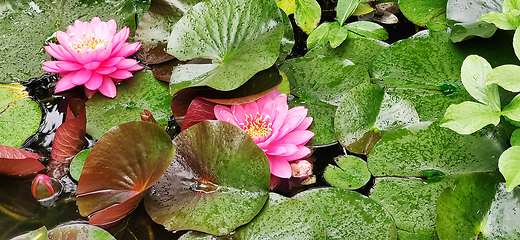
(218, 180)
(425, 13)
(79, 232)
(31, 23)
(322, 121)
(238, 46)
(140, 92)
(349, 215)
(463, 18)
(284, 218)
(367, 29)
(38, 234)
(351, 173)
(477, 205)
(506, 19)
(368, 107)
(307, 14)
(19, 116)
(126, 161)
(77, 163)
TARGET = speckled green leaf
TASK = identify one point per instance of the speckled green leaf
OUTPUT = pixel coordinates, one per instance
(345, 9)
(506, 19)
(368, 29)
(368, 107)
(218, 180)
(509, 165)
(506, 76)
(284, 218)
(337, 34)
(349, 215)
(307, 15)
(79, 231)
(351, 173)
(244, 39)
(320, 34)
(468, 117)
(38, 234)
(322, 121)
(141, 92)
(288, 6)
(361, 51)
(18, 121)
(76, 165)
(512, 110)
(463, 15)
(29, 24)
(424, 146)
(411, 202)
(406, 235)
(426, 13)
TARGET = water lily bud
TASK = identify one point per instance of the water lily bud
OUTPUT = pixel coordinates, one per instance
(44, 187)
(301, 168)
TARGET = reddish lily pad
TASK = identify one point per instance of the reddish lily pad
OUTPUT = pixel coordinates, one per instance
(218, 181)
(200, 110)
(70, 136)
(14, 161)
(79, 232)
(125, 162)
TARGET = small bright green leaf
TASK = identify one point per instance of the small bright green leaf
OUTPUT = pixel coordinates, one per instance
(79, 232)
(288, 6)
(506, 76)
(512, 110)
(18, 121)
(307, 15)
(362, 9)
(367, 107)
(515, 138)
(141, 92)
(349, 215)
(509, 165)
(320, 34)
(38, 234)
(516, 43)
(462, 209)
(368, 29)
(505, 21)
(426, 13)
(218, 180)
(461, 32)
(510, 5)
(468, 117)
(351, 173)
(337, 34)
(237, 46)
(76, 165)
(474, 72)
(424, 146)
(284, 86)
(284, 218)
(345, 9)
(322, 121)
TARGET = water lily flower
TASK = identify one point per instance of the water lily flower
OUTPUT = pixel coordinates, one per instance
(276, 129)
(92, 54)
(301, 168)
(42, 187)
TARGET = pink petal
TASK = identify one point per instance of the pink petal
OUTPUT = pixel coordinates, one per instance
(291, 149)
(108, 88)
(296, 137)
(50, 66)
(267, 109)
(119, 40)
(127, 50)
(126, 63)
(69, 66)
(81, 77)
(64, 52)
(64, 83)
(301, 153)
(95, 81)
(105, 70)
(92, 65)
(251, 109)
(103, 55)
(279, 118)
(135, 68)
(112, 26)
(223, 113)
(306, 123)
(63, 39)
(121, 74)
(111, 61)
(239, 113)
(273, 94)
(280, 167)
(276, 150)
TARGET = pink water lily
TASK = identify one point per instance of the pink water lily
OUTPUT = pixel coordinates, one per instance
(92, 54)
(276, 129)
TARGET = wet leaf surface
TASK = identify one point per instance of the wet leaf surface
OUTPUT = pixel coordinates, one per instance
(218, 180)
(430, 14)
(14, 161)
(463, 16)
(351, 173)
(70, 136)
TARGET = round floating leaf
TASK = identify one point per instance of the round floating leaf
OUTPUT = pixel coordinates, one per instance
(141, 92)
(463, 16)
(425, 13)
(468, 117)
(77, 163)
(70, 136)
(31, 23)
(322, 121)
(349, 215)
(367, 107)
(509, 165)
(506, 76)
(284, 218)
(319, 35)
(368, 29)
(125, 162)
(218, 180)
(38, 234)
(14, 161)
(515, 138)
(307, 14)
(351, 173)
(79, 232)
(245, 39)
(424, 146)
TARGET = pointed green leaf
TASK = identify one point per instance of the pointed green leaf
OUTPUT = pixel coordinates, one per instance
(474, 73)
(505, 21)
(288, 6)
(307, 15)
(337, 34)
(77, 163)
(515, 138)
(368, 29)
(345, 9)
(218, 180)
(468, 117)
(509, 165)
(320, 34)
(351, 173)
(237, 45)
(512, 110)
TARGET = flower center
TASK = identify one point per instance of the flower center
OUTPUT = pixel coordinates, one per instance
(91, 41)
(257, 126)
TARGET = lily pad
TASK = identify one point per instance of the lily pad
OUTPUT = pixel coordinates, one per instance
(238, 46)
(218, 181)
(368, 107)
(79, 232)
(477, 205)
(463, 16)
(125, 162)
(351, 173)
(425, 13)
(349, 215)
(140, 92)
(70, 136)
(322, 121)
(367, 29)
(38, 234)
(14, 161)
(77, 163)
(31, 23)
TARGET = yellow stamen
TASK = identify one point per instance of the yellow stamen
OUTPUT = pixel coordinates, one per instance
(90, 41)
(257, 126)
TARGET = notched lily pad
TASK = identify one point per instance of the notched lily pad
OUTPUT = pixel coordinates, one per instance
(351, 173)
(218, 180)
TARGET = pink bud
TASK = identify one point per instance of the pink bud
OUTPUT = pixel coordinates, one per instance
(44, 187)
(301, 168)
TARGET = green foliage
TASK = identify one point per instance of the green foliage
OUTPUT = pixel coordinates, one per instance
(508, 19)
(19, 116)
(351, 173)
(307, 14)
(463, 18)
(426, 13)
